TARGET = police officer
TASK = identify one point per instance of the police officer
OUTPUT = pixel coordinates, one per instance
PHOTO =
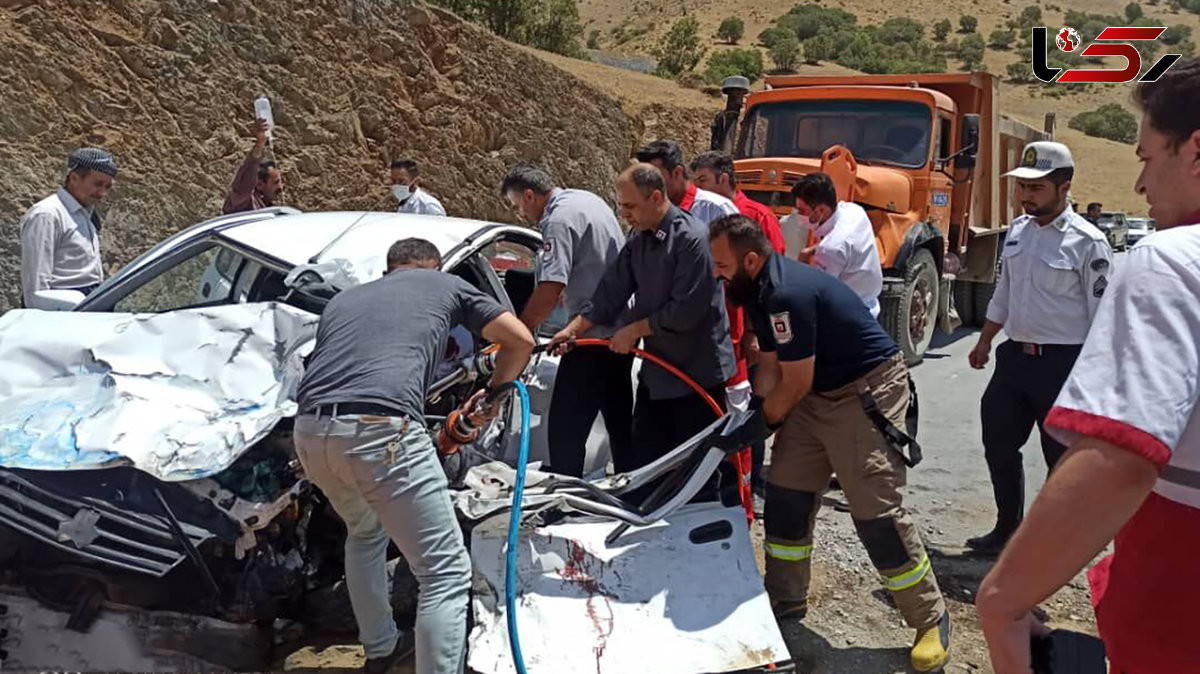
(836, 385)
(678, 309)
(1055, 267)
(361, 438)
(580, 237)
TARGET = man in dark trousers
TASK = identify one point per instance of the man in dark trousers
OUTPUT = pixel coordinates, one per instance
(580, 237)
(835, 385)
(679, 311)
(1055, 266)
(361, 437)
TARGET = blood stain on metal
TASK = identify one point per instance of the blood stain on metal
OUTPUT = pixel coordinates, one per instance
(577, 571)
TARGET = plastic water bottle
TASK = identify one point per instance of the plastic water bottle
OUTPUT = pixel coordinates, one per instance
(262, 110)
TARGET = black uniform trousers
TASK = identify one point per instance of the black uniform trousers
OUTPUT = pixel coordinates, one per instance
(660, 426)
(589, 381)
(1023, 388)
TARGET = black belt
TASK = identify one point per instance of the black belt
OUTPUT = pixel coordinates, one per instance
(1030, 349)
(353, 409)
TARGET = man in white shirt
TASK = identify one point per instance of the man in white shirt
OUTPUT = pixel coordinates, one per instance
(1129, 412)
(406, 187)
(1055, 267)
(60, 235)
(845, 246)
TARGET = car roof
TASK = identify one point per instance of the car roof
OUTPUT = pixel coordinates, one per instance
(361, 238)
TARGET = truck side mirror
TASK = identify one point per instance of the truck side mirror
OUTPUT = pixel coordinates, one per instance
(968, 145)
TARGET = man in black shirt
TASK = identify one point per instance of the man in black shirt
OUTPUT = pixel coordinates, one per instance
(823, 362)
(678, 309)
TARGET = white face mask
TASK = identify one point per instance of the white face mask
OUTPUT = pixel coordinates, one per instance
(401, 192)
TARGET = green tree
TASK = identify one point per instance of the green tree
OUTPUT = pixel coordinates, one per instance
(1109, 121)
(805, 21)
(593, 39)
(554, 26)
(786, 53)
(1001, 39)
(1029, 17)
(745, 62)
(679, 50)
(772, 35)
(1176, 34)
(900, 30)
(1133, 11)
(1019, 73)
(820, 48)
(941, 29)
(731, 30)
(967, 23)
(970, 51)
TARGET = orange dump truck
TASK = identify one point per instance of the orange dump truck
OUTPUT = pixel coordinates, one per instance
(923, 154)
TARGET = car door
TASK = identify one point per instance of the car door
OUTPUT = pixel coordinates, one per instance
(206, 271)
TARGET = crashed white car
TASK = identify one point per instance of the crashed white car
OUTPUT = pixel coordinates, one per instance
(146, 461)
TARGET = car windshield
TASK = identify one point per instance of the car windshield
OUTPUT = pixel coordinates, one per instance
(883, 132)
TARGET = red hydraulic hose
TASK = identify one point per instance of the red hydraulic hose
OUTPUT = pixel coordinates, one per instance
(740, 460)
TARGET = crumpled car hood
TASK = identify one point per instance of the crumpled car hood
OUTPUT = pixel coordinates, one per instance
(180, 395)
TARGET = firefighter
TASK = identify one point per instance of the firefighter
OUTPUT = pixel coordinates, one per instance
(1055, 267)
(835, 385)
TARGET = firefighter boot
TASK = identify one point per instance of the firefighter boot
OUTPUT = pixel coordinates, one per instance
(931, 649)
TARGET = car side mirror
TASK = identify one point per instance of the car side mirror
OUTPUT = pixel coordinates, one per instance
(968, 143)
(57, 300)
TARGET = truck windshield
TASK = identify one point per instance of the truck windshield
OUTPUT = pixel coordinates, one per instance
(883, 132)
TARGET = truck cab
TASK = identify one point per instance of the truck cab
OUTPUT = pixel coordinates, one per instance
(922, 154)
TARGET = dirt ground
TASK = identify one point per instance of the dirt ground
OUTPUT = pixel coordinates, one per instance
(851, 628)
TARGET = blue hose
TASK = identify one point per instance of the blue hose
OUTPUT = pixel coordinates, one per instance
(514, 527)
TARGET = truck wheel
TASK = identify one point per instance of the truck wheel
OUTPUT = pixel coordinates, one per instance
(964, 301)
(983, 297)
(911, 317)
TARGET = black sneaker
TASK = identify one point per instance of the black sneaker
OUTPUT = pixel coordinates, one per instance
(405, 646)
(992, 542)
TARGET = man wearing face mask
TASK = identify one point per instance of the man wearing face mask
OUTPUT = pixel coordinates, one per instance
(1055, 268)
(845, 238)
(406, 187)
(835, 385)
(60, 235)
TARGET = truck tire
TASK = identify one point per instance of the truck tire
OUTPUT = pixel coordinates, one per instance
(983, 297)
(911, 317)
(964, 301)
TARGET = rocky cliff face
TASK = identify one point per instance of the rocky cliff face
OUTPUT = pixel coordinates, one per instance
(168, 86)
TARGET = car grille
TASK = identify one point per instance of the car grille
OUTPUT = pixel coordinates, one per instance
(92, 528)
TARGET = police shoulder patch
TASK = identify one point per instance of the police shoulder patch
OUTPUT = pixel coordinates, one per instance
(1099, 286)
(1099, 265)
(781, 325)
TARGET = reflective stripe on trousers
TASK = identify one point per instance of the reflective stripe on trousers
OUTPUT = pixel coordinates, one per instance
(908, 579)
(789, 553)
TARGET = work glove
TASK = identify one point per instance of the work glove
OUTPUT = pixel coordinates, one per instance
(752, 428)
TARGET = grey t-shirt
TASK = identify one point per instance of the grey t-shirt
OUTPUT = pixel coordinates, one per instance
(580, 237)
(381, 342)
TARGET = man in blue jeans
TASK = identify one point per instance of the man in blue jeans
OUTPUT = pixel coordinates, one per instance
(361, 437)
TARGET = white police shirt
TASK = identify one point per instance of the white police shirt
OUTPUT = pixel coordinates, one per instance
(1137, 380)
(1051, 279)
(846, 250)
(421, 202)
